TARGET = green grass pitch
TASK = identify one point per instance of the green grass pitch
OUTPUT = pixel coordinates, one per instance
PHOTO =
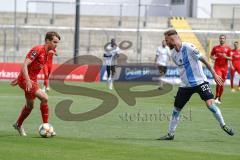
(127, 132)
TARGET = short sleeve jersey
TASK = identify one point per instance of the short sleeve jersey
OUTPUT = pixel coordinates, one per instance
(218, 52)
(38, 56)
(189, 66)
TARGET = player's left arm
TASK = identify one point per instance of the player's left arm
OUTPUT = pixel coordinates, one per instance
(228, 55)
(216, 77)
(169, 55)
(197, 56)
(230, 62)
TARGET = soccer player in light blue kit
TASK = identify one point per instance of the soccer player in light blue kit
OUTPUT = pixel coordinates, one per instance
(188, 59)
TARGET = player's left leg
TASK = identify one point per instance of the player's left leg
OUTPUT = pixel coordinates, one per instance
(232, 72)
(224, 77)
(206, 95)
(238, 71)
(43, 97)
(218, 115)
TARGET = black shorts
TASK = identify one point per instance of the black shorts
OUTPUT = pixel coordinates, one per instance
(184, 94)
(162, 69)
(111, 70)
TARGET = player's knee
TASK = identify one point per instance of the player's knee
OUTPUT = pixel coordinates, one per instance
(209, 102)
(44, 99)
(30, 105)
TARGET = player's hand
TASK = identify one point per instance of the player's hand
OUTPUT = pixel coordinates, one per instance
(14, 82)
(213, 57)
(225, 56)
(28, 85)
(53, 52)
(218, 79)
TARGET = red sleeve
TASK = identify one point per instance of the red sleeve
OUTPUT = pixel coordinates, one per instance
(229, 52)
(213, 51)
(32, 54)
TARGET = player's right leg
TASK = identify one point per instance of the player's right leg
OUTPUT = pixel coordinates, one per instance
(108, 74)
(162, 72)
(182, 97)
(48, 74)
(112, 73)
(26, 110)
(29, 96)
(218, 87)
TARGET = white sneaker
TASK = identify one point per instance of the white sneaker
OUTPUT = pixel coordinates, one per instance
(47, 89)
(20, 130)
(233, 90)
(54, 134)
(110, 86)
(217, 101)
(44, 89)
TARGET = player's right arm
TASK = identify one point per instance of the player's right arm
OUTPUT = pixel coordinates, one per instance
(26, 75)
(32, 54)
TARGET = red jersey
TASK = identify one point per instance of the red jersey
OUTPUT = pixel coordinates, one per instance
(50, 55)
(236, 57)
(218, 52)
(38, 56)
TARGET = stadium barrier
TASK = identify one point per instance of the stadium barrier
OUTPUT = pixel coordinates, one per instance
(10, 71)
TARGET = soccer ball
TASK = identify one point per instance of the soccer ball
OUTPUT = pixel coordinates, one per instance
(46, 130)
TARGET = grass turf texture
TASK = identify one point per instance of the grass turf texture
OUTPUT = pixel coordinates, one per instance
(128, 132)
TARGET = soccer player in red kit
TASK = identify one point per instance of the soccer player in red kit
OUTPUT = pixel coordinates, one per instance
(27, 80)
(47, 69)
(235, 66)
(221, 54)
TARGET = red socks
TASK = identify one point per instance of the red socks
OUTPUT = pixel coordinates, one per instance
(23, 115)
(217, 90)
(44, 112)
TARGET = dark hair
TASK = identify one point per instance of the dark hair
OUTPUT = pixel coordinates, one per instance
(113, 42)
(170, 32)
(51, 34)
(236, 42)
(222, 35)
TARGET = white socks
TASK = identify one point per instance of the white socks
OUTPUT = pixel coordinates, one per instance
(217, 114)
(174, 121)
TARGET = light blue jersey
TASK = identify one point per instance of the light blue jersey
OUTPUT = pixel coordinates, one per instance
(189, 66)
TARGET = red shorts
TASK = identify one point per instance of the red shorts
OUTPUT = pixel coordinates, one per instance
(237, 68)
(222, 72)
(29, 94)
